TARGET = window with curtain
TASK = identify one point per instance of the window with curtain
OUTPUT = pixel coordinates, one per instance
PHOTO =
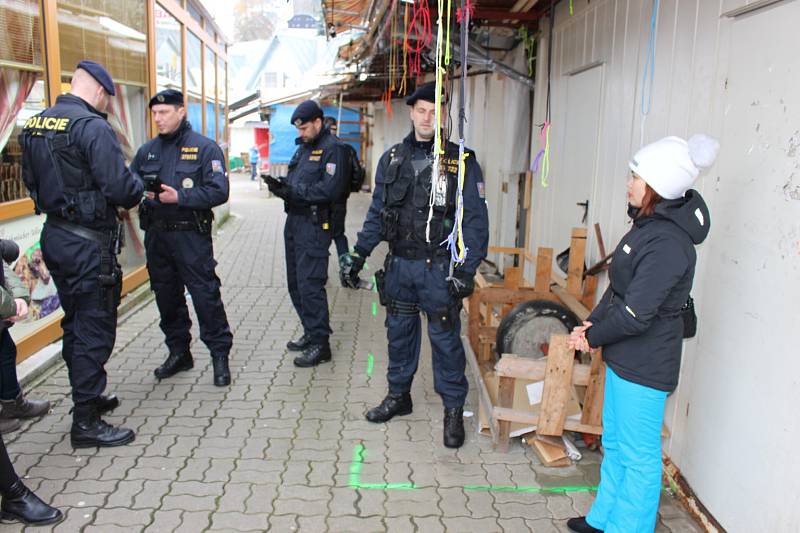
(168, 50)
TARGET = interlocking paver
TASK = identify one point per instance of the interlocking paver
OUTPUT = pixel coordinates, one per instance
(274, 451)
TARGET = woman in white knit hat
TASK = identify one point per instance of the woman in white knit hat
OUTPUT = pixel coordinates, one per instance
(639, 326)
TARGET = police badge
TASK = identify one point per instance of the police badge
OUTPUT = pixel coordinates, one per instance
(187, 183)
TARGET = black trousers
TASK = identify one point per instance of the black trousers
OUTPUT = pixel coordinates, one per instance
(178, 259)
(90, 322)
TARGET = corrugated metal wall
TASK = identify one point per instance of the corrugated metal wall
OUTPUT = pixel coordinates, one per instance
(733, 421)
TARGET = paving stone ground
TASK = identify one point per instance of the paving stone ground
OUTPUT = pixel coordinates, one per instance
(275, 450)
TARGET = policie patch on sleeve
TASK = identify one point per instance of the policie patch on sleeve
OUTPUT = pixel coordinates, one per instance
(330, 168)
(481, 189)
(216, 165)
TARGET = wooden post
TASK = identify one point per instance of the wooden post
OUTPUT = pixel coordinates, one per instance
(557, 386)
(544, 269)
(50, 50)
(593, 401)
(505, 398)
(577, 254)
(589, 290)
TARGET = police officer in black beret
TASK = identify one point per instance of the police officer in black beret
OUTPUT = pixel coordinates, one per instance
(416, 275)
(185, 177)
(316, 179)
(75, 171)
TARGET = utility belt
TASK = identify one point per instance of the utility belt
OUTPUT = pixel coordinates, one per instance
(201, 223)
(111, 242)
(319, 214)
(415, 251)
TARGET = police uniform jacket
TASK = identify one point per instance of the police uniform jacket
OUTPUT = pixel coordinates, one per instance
(317, 173)
(192, 164)
(403, 161)
(637, 321)
(73, 165)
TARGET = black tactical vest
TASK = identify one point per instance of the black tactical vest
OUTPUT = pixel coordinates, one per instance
(407, 196)
(66, 190)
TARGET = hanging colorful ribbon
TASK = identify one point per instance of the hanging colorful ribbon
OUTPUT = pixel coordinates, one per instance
(403, 88)
(437, 136)
(421, 27)
(544, 135)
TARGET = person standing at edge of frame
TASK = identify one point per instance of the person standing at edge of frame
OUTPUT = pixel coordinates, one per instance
(315, 181)
(75, 172)
(185, 177)
(639, 323)
(416, 274)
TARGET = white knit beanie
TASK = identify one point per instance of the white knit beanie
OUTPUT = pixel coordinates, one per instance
(670, 166)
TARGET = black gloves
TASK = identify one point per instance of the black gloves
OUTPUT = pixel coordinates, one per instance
(350, 266)
(461, 284)
(279, 188)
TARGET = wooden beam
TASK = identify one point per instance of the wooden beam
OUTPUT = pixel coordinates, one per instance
(16, 209)
(593, 400)
(557, 386)
(571, 302)
(483, 392)
(511, 365)
(152, 87)
(50, 49)
(577, 254)
(522, 417)
(544, 269)
(505, 398)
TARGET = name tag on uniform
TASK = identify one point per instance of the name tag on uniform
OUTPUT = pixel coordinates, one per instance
(189, 153)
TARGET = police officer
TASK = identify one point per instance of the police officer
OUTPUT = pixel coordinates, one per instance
(76, 175)
(315, 180)
(416, 274)
(185, 176)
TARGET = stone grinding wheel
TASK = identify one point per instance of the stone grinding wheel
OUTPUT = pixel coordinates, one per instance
(526, 329)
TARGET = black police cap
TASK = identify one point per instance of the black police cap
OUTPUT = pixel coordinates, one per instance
(426, 92)
(167, 96)
(99, 73)
(306, 112)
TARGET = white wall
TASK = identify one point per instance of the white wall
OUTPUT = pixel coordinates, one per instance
(733, 422)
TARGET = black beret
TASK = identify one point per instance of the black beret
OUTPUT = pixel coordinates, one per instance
(425, 92)
(167, 96)
(99, 73)
(305, 112)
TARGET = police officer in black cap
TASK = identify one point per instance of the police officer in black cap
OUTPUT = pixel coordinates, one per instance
(416, 275)
(315, 180)
(185, 177)
(75, 171)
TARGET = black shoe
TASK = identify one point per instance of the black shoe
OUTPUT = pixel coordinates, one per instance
(222, 374)
(106, 404)
(19, 503)
(453, 427)
(391, 406)
(176, 362)
(90, 431)
(300, 344)
(22, 407)
(314, 355)
(579, 525)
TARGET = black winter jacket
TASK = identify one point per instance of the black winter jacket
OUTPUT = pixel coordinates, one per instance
(637, 321)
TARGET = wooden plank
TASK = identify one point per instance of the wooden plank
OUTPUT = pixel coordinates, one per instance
(501, 295)
(577, 255)
(513, 278)
(480, 281)
(534, 369)
(505, 398)
(512, 415)
(589, 291)
(505, 250)
(544, 269)
(593, 400)
(483, 393)
(571, 302)
(557, 385)
(551, 451)
(601, 246)
(558, 280)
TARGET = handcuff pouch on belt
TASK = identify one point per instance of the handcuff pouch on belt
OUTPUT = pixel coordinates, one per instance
(110, 278)
(446, 316)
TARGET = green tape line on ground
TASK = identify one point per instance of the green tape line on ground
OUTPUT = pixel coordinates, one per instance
(359, 452)
(370, 365)
(374, 308)
(374, 285)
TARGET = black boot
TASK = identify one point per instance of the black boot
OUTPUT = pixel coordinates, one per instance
(89, 430)
(314, 355)
(453, 427)
(19, 503)
(106, 404)
(176, 362)
(391, 406)
(300, 344)
(222, 374)
(22, 407)
(579, 525)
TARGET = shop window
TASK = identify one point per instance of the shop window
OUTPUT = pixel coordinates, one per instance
(194, 13)
(20, 32)
(168, 50)
(194, 73)
(210, 83)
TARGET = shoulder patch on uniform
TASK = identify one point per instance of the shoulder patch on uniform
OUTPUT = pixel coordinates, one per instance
(151, 156)
(330, 168)
(216, 165)
(481, 189)
(626, 249)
